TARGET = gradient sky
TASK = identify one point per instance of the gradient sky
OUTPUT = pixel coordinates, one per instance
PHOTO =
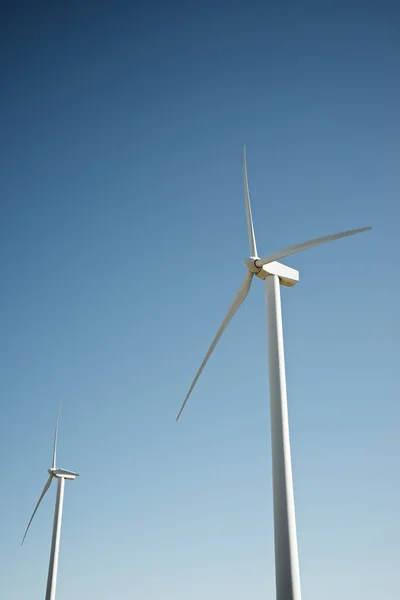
(122, 233)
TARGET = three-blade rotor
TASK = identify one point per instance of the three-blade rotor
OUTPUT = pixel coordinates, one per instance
(254, 265)
(54, 473)
(51, 471)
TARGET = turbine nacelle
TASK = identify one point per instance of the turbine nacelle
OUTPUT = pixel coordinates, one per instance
(63, 473)
(287, 275)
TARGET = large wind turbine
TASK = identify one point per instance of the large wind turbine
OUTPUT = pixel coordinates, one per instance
(274, 273)
(61, 475)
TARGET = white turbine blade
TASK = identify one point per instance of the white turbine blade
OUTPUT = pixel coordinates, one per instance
(46, 487)
(238, 300)
(279, 254)
(53, 466)
(249, 218)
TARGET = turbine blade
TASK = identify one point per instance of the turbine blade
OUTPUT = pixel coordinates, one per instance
(238, 300)
(55, 440)
(249, 218)
(46, 487)
(279, 254)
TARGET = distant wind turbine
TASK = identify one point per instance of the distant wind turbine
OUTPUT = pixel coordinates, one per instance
(287, 574)
(61, 475)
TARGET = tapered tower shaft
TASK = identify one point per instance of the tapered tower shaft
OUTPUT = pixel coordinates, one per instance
(287, 572)
(55, 542)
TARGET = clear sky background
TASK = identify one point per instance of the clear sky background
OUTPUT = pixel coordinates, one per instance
(122, 233)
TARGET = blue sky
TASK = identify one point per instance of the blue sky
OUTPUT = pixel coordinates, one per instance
(122, 233)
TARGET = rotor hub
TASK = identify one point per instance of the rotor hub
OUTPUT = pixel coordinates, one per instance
(250, 264)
